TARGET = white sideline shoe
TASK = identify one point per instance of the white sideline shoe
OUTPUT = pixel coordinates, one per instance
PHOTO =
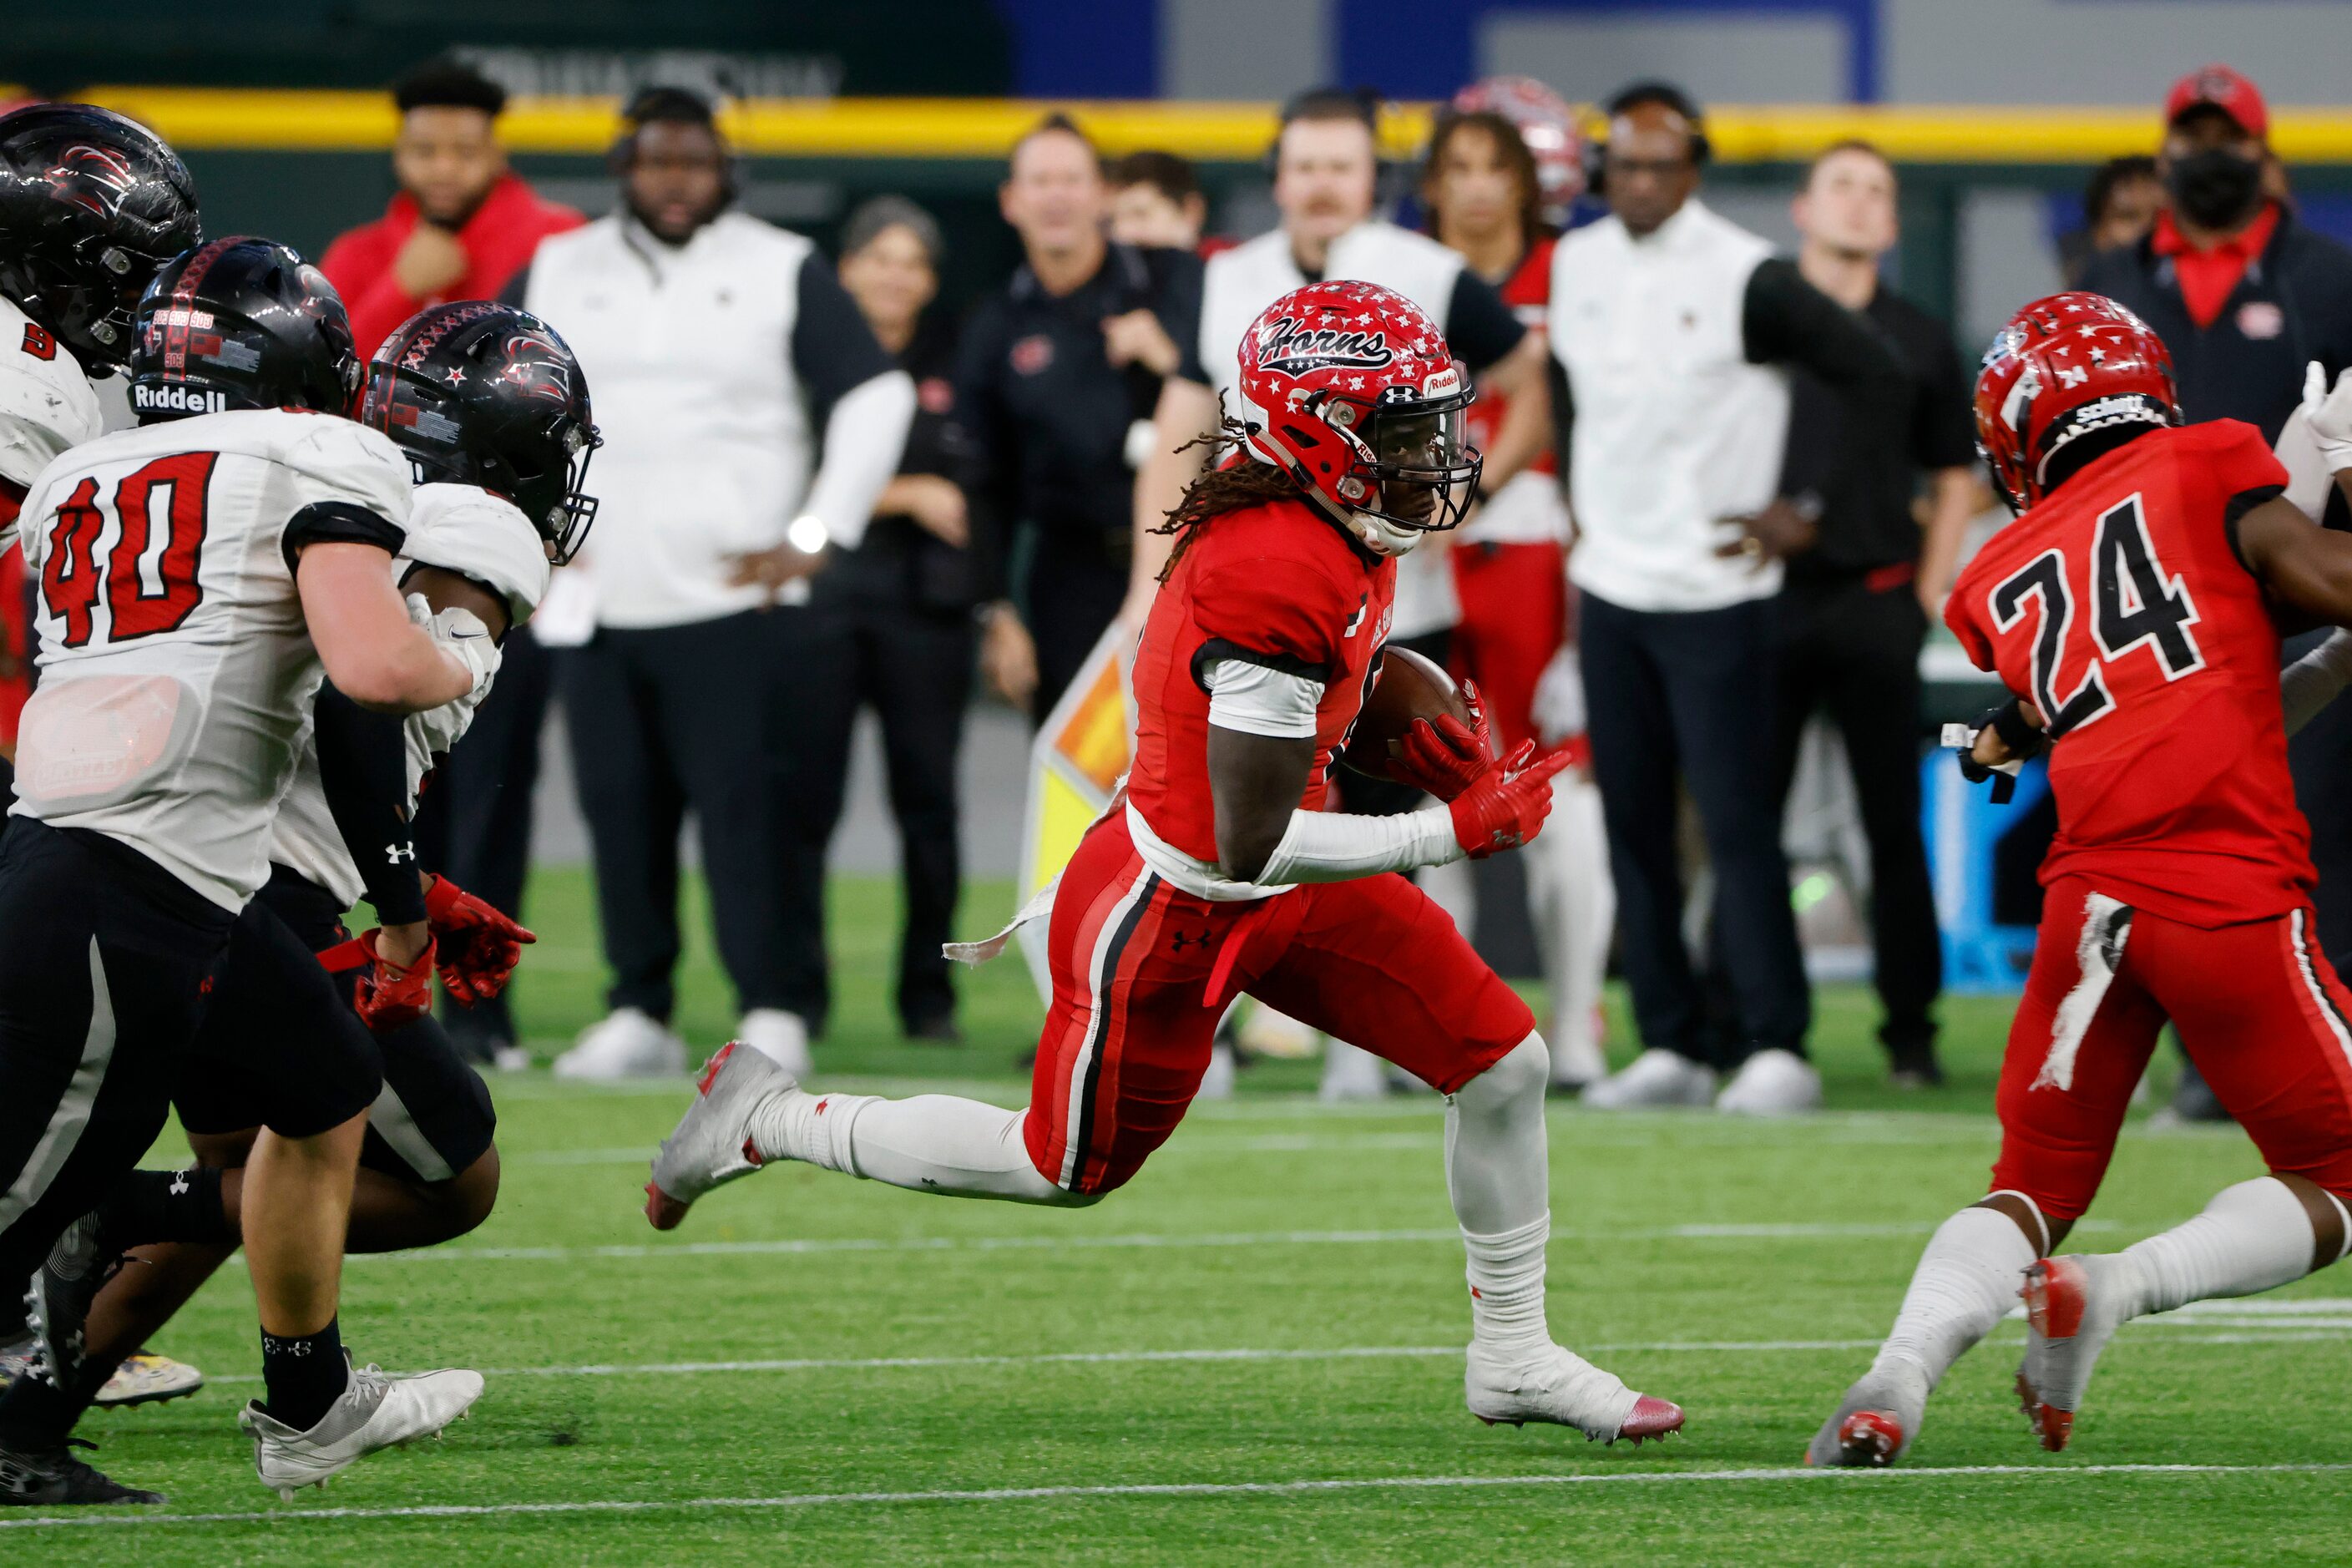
(1576, 1060)
(1656, 1077)
(779, 1036)
(1875, 1422)
(1351, 1073)
(713, 1142)
(377, 1411)
(1772, 1083)
(1560, 1388)
(2073, 1309)
(626, 1044)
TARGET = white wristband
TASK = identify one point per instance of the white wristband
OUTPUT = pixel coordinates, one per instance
(1336, 846)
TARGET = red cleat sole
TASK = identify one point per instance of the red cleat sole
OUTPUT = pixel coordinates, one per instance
(2054, 1294)
(1652, 1417)
(1871, 1438)
(663, 1212)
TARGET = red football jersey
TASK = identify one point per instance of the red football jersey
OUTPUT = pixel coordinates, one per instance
(1273, 584)
(2119, 606)
(1528, 291)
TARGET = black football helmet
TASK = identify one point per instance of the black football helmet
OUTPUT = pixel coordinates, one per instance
(480, 393)
(241, 323)
(90, 205)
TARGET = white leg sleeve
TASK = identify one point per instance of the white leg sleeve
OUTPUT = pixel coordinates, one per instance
(1497, 1172)
(2251, 1237)
(931, 1143)
(1576, 912)
(1967, 1281)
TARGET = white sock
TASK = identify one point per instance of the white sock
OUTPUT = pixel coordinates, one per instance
(1507, 1289)
(1497, 1175)
(931, 1143)
(2251, 1237)
(1967, 1281)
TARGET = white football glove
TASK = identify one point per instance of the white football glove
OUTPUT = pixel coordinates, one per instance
(459, 632)
(1559, 698)
(2329, 414)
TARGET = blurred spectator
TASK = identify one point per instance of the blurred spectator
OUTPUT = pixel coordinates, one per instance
(2244, 297)
(890, 628)
(726, 356)
(2119, 207)
(461, 223)
(1056, 371)
(1671, 326)
(1855, 609)
(1156, 200)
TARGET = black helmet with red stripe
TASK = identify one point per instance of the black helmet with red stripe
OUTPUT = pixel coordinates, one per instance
(90, 205)
(241, 323)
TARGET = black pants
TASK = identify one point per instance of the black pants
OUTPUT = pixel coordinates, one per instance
(104, 957)
(2321, 758)
(474, 822)
(1855, 654)
(1687, 698)
(913, 667)
(1074, 592)
(661, 719)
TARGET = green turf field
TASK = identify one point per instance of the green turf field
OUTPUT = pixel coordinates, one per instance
(1251, 1355)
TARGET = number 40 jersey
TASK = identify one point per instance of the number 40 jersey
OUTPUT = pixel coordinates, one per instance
(2120, 607)
(177, 674)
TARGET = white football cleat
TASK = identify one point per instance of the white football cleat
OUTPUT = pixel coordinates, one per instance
(779, 1036)
(627, 1044)
(1657, 1076)
(1350, 1072)
(711, 1144)
(2071, 1310)
(1772, 1083)
(146, 1378)
(377, 1411)
(1560, 1388)
(1876, 1422)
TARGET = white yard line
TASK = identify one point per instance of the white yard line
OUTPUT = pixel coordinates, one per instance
(1304, 1487)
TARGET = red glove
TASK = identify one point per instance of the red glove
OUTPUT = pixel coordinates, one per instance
(1507, 805)
(388, 994)
(1445, 756)
(479, 946)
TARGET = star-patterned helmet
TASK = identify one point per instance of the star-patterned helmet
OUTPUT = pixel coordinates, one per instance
(240, 324)
(1350, 388)
(2064, 368)
(486, 395)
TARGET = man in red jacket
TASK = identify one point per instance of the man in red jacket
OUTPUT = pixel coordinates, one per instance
(462, 224)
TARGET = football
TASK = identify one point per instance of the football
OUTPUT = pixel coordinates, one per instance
(1407, 686)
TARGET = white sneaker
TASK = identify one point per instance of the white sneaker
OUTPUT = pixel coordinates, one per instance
(627, 1044)
(779, 1036)
(711, 1144)
(377, 1411)
(1217, 1083)
(1561, 1388)
(511, 1059)
(1772, 1083)
(2073, 1308)
(1874, 1424)
(1576, 1060)
(145, 1378)
(1351, 1073)
(1656, 1077)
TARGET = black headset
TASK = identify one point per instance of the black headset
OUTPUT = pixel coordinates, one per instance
(681, 104)
(1596, 151)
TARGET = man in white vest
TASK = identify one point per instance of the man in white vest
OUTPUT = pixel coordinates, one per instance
(1670, 324)
(724, 348)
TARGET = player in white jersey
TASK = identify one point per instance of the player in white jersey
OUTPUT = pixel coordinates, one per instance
(517, 418)
(198, 575)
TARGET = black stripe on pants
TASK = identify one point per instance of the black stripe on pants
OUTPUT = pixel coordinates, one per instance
(662, 720)
(1686, 698)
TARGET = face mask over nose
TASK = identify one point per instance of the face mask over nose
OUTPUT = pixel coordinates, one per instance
(2215, 188)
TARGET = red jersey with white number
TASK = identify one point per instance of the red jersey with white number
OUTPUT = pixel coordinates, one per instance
(2119, 606)
(177, 674)
(1274, 585)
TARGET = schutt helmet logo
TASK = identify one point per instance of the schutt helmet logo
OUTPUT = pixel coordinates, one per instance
(92, 178)
(1287, 346)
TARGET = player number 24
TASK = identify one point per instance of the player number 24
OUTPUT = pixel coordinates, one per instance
(2133, 604)
(151, 585)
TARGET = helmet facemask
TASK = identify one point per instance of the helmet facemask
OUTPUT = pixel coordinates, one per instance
(1415, 472)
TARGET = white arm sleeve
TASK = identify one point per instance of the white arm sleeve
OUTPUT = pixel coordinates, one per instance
(2313, 681)
(2307, 478)
(1257, 700)
(1335, 847)
(865, 437)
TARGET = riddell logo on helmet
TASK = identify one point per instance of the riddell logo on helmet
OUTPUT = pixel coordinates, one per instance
(1287, 346)
(177, 399)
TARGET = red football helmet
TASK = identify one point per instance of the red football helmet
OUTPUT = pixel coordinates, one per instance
(1546, 123)
(1350, 388)
(2063, 367)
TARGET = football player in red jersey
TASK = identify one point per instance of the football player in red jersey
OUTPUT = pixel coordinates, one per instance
(1487, 197)
(2131, 608)
(1218, 870)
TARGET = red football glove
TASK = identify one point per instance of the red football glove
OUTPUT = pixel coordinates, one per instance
(1445, 756)
(1507, 805)
(479, 946)
(388, 994)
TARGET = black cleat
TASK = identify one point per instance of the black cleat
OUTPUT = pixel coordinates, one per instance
(52, 1478)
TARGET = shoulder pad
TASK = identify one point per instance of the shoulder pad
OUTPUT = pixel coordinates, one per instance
(46, 403)
(467, 530)
(344, 461)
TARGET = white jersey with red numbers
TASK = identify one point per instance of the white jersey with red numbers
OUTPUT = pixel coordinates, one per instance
(45, 405)
(1527, 508)
(177, 672)
(461, 529)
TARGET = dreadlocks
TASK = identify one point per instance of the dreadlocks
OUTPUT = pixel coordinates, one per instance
(1222, 490)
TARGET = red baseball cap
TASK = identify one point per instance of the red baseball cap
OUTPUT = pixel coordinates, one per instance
(2224, 90)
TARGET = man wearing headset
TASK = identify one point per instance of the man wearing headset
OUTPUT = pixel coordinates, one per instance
(1669, 327)
(730, 356)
